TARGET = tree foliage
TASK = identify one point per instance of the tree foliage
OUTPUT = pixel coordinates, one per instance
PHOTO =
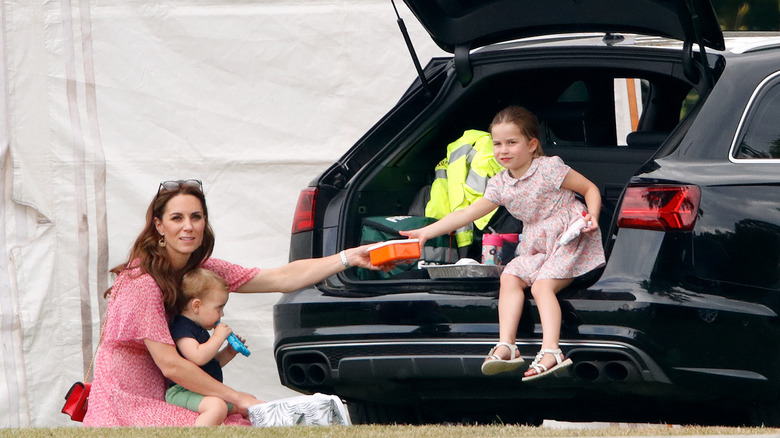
(748, 15)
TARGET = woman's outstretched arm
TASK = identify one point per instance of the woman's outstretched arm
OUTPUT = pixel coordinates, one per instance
(301, 273)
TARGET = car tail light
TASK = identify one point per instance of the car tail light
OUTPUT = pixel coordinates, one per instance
(660, 207)
(303, 220)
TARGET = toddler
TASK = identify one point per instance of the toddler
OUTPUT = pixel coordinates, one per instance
(206, 294)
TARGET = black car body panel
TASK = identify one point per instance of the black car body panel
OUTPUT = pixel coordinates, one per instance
(679, 325)
(473, 24)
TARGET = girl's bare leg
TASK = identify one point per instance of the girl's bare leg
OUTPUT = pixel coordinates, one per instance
(511, 297)
(544, 293)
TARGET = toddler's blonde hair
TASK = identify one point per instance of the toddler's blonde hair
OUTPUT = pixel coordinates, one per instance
(197, 284)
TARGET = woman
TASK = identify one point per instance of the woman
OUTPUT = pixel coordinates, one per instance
(137, 352)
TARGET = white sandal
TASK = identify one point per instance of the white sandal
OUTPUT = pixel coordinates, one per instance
(494, 364)
(542, 370)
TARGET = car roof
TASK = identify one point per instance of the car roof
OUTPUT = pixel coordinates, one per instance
(476, 23)
(745, 42)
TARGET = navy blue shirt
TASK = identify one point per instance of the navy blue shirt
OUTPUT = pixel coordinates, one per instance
(183, 327)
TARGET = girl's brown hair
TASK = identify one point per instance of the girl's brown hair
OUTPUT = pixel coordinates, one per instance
(153, 258)
(524, 119)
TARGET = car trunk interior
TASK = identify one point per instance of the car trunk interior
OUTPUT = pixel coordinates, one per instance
(579, 111)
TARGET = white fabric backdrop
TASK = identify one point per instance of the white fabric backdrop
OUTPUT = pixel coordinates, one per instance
(104, 99)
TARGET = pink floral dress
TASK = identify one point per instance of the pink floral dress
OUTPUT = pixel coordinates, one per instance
(128, 389)
(546, 209)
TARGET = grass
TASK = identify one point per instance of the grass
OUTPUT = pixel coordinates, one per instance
(371, 431)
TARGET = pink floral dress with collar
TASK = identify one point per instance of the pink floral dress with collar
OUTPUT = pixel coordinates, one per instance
(546, 209)
(128, 388)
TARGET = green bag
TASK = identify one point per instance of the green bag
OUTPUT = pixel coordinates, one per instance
(441, 250)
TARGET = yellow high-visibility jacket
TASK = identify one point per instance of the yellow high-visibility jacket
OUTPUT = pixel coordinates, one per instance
(461, 178)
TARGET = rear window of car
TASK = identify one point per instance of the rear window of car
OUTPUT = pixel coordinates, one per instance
(759, 137)
(582, 116)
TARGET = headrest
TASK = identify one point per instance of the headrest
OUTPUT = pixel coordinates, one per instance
(646, 139)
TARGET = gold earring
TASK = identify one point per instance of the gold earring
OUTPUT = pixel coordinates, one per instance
(161, 242)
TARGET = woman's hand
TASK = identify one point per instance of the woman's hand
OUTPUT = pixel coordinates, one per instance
(359, 257)
(244, 402)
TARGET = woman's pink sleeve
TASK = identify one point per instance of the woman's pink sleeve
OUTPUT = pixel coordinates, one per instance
(139, 312)
(235, 275)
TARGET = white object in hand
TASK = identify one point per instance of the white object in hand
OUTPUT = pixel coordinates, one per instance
(573, 231)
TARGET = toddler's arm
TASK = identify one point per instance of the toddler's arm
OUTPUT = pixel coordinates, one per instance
(200, 354)
(229, 352)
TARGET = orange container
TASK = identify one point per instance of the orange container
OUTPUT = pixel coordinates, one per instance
(394, 250)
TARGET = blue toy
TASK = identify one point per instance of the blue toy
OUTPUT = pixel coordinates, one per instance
(237, 344)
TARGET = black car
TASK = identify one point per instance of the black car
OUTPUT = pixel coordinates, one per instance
(681, 325)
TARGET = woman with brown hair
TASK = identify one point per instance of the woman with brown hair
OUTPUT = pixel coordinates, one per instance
(137, 352)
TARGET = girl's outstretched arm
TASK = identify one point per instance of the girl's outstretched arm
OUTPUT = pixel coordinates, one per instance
(452, 221)
(577, 182)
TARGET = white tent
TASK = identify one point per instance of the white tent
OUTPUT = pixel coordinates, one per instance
(103, 99)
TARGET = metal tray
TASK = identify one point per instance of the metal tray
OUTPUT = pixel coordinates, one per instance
(463, 271)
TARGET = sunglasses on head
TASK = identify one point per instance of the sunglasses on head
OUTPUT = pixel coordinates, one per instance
(175, 184)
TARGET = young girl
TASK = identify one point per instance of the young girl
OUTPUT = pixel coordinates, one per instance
(538, 190)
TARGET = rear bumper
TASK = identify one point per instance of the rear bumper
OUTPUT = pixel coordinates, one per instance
(416, 347)
(363, 369)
